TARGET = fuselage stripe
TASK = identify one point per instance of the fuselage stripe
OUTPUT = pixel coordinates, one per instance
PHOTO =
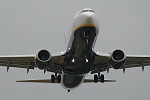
(85, 26)
(80, 27)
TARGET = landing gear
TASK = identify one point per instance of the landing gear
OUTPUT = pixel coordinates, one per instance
(102, 78)
(52, 78)
(95, 78)
(55, 77)
(59, 78)
(99, 77)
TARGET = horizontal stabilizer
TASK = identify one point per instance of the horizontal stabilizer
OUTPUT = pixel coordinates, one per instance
(92, 81)
(49, 81)
(39, 81)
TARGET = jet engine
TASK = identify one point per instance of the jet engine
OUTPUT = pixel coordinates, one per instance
(42, 59)
(117, 59)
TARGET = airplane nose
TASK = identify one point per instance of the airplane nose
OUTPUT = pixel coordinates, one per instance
(88, 18)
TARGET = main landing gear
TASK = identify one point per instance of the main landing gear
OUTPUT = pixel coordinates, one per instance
(99, 77)
(55, 77)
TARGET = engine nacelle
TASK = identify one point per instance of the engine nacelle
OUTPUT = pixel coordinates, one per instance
(42, 59)
(117, 59)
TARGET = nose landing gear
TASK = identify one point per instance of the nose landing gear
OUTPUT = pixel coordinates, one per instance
(99, 77)
(55, 77)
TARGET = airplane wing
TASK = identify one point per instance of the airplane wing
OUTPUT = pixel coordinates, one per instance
(28, 62)
(101, 62)
(137, 61)
(22, 61)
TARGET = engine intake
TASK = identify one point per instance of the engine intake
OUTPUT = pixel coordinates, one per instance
(43, 59)
(117, 59)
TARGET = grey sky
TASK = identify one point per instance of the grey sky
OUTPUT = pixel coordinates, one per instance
(29, 25)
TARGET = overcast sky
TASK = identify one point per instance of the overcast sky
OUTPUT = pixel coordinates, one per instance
(29, 25)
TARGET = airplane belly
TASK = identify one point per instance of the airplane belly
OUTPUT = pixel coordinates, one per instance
(79, 56)
(71, 81)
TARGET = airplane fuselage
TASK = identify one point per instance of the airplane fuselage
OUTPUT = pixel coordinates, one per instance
(79, 58)
(79, 53)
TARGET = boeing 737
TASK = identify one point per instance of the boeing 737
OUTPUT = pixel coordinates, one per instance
(79, 59)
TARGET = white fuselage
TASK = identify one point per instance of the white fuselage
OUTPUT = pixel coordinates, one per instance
(82, 19)
(85, 18)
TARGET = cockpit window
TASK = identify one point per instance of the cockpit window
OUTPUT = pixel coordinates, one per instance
(91, 11)
(87, 11)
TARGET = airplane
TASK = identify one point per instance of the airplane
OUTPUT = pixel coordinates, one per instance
(70, 67)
